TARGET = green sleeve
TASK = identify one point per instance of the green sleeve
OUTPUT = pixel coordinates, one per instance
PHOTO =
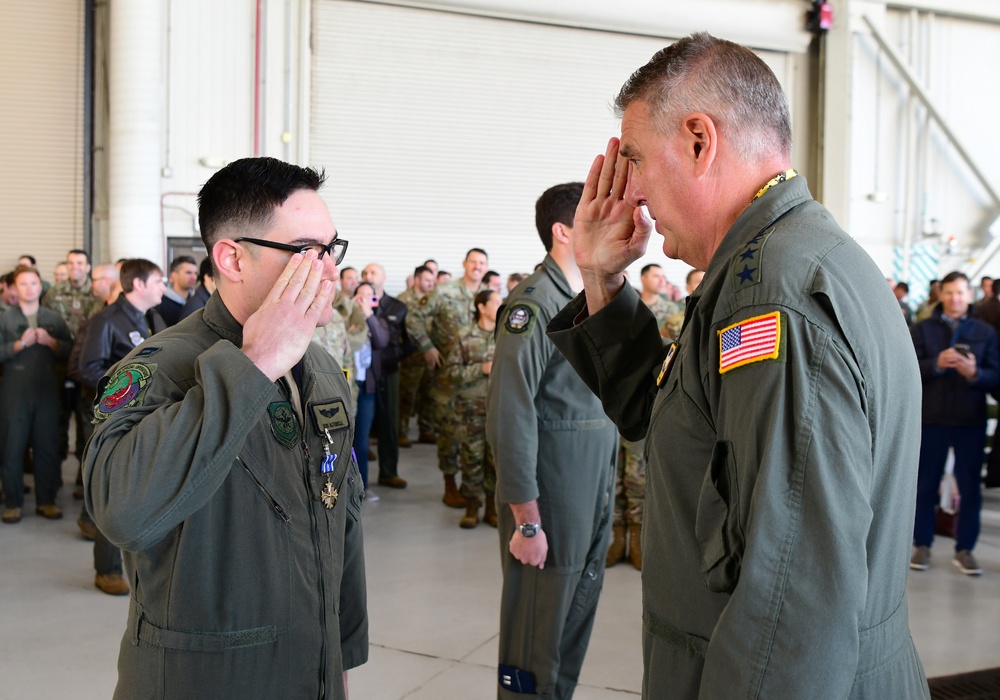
(419, 319)
(150, 466)
(621, 374)
(787, 501)
(519, 362)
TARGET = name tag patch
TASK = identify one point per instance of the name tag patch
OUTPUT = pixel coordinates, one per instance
(329, 415)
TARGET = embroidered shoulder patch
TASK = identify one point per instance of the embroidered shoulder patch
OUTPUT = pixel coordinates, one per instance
(284, 427)
(521, 318)
(754, 340)
(123, 390)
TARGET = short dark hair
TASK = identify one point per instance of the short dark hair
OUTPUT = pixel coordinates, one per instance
(729, 82)
(647, 268)
(483, 297)
(903, 285)
(205, 270)
(180, 260)
(490, 274)
(345, 269)
(515, 277)
(137, 269)
(556, 205)
(243, 195)
(476, 250)
(442, 273)
(21, 269)
(31, 258)
(79, 251)
(421, 269)
(953, 277)
(8, 278)
(430, 260)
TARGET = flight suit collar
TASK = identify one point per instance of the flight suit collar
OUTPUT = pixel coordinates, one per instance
(553, 270)
(763, 212)
(218, 318)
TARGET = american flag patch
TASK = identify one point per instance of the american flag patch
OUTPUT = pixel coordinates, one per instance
(753, 340)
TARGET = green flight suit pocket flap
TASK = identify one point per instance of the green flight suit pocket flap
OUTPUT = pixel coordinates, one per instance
(716, 525)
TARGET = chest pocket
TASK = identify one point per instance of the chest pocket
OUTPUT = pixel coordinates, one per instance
(717, 526)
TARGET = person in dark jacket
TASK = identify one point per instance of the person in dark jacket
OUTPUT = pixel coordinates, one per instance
(959, 364)
(393, 312)
(205, 288)
(367, 373)
(110, 335)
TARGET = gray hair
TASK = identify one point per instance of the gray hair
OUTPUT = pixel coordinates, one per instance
(726, 81)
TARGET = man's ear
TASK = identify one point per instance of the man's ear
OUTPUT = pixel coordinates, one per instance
(230, 259)
(702, 141)
(560, 233)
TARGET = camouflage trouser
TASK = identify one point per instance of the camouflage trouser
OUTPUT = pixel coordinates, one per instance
(446, 422)
(474, 455)
(415, 382)
(630, 484)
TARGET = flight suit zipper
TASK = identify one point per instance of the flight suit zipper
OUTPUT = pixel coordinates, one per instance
(279, 511)
(319, 558)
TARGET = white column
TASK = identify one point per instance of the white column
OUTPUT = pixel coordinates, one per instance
(135, 92)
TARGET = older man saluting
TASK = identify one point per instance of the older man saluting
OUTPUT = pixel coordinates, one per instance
(782, 427)
(221, 464)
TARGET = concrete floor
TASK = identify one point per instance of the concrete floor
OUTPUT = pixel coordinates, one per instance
(433, 592)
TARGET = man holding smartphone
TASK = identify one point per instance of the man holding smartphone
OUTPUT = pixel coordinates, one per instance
(959, 365)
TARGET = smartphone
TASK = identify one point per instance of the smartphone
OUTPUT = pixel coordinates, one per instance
(963, 349)
(375, 303)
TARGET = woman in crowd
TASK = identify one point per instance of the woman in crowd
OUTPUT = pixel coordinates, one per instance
(469, 365)
(366, 370)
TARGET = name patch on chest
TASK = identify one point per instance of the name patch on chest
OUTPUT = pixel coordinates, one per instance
(756, 339)
(330, 415)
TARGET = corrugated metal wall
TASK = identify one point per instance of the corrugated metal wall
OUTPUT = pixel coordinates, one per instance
(440, 130)
(41, 130)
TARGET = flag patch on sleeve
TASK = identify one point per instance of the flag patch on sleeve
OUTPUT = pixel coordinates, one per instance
(753, 340)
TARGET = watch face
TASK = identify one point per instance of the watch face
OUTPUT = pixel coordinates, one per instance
(528, 529)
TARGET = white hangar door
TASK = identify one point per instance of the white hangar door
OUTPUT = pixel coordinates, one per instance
(41, 131)
(438, 130)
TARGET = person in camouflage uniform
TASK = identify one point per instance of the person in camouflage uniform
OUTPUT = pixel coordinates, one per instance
(342, 337)
(72, 299)
(672, 329)
(630, 482)
(435, 327)
(415, 377)
(468, 366)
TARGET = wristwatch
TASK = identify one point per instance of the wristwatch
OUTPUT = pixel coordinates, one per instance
(529, 529)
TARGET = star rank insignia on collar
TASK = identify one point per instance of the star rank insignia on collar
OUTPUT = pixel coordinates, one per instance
(746, 267)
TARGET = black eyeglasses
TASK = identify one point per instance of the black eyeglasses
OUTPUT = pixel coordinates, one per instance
(337, 248)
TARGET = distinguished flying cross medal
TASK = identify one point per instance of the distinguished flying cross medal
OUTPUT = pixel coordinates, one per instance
(667, 361)
(329, 494)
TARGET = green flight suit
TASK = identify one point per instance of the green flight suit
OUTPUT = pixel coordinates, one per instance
(437, 322)
(207, 475)
(781, 475)
(29, 405)
(552, 442)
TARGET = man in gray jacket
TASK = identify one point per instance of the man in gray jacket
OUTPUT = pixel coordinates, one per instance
(782, 428)
(222, 466)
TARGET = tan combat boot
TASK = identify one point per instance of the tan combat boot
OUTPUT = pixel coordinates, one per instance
(453, 498)
(616, 552)
(635, 545)
(490, 516)
(471, 517)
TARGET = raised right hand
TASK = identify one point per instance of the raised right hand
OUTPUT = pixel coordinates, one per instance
(609, 233)
(276, 335)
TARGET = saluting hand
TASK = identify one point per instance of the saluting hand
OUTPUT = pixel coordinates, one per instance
(276, 335)
(609, 233)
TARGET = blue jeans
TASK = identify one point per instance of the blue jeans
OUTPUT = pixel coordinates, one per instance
(362, 429)
(969, 442)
